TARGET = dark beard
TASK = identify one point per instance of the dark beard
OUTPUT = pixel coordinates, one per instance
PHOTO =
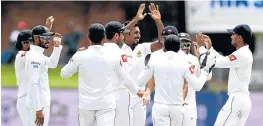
(133, 46)
(41, 44)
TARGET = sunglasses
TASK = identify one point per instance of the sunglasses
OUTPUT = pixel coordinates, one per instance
(27, 41)
(45, 37)
(185, 45)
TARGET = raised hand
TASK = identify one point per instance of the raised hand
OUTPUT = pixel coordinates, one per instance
(139, 16)
(57, 39)
(154, 12)
(49, 22)
(200, 39)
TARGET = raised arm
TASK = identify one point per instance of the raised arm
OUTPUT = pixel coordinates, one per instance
(69, 69)
(122, 72)
(52, 61)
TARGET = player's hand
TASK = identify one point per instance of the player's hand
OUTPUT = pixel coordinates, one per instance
(199, 37)
(139, 16)
(146, 98)
(82, 48)
(49, 22)
(196, 47)
(208, 42)
(39, 118)
(57, 39)
(154, 12)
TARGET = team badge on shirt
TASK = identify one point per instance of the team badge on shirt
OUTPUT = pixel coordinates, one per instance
(23, 54)
(139, 54)
(124, 58)
(232, 57)
(191, 70)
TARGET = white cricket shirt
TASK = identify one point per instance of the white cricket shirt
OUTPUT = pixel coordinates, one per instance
(97, 67)
(136, 58)
(36, 75)
(240, 64)
(169, 70)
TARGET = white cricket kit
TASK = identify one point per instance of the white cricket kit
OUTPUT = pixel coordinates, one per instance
(237, 108)
(36, 81)
(120, 91)
(21, 95)
(97, 67)
(169, 70)
(136, 64)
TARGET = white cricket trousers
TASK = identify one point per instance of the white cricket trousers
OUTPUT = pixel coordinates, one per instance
(23, 110)
(104, 117)
(32, 116)
(137, 112)
(189, 115)
(28, 116)
(122, 117)
(167, 115)
(236, 110)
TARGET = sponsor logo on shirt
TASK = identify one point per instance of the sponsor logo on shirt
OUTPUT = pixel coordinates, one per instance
(139, 54)
(232, 57)
(37, 63)
(35, 66)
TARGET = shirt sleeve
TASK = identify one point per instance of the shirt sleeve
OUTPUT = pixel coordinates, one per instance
(147, 74)
(147, 48)
(196, 83)
(32, 75)
(235, 60)
(121, 68)
(70, 68)
(52, 61)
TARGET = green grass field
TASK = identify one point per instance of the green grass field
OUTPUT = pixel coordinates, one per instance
(9, 80)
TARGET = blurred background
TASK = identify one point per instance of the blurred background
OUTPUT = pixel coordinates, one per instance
(72, 20)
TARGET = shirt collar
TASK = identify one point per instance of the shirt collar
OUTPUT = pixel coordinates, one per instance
(37, 48)
(110, 44)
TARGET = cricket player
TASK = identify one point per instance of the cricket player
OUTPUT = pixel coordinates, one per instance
(168, 30)
(190, 112)
(24, 41)
(36, 74)
(169, 70)
(114, 40)
(238, 106)
(136, 53)
(97, 67)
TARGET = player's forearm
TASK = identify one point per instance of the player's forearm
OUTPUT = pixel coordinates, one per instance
(198, 83)
(54, 58)
(65, 73)
(35, 97)
(160, 27)
(130, 85)
(150, 86)
(131, 24)
(185, 90)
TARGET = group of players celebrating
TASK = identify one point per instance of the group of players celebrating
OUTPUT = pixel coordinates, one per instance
(115, 85)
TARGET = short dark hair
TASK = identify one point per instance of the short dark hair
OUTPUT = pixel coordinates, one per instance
(172, 43)
(25, 35)
(114, 27)
(127, 22)
(96, 33)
